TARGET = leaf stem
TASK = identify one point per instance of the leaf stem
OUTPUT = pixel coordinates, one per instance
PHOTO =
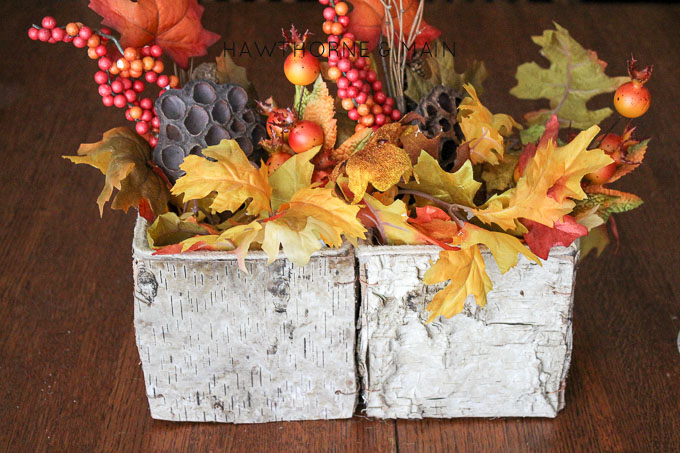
(451, 208)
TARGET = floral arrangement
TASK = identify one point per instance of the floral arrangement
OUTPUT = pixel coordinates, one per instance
(404, 152)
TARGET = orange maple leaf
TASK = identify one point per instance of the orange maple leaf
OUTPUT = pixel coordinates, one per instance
(175, 25)
(367, 18)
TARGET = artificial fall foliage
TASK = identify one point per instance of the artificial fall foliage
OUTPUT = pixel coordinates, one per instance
(485, 187)
(174, 25)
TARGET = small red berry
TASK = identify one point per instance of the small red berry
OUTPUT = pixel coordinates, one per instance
(371, 76)
(130, 95)
(107, 100)
(105, 90)
(155, 122)
(58, 34)
(360, 98)
(101, 77)
(85, 32)
(389, 101)
(380, 119)
(379, 97)
(324, 2)
(138, 86)
(343, 82)
(344, 65)
(120, 101)
(358, 84)
(79, 42)
(128, 116)
(387, 109)
(142, 127)
(49, 22)
(33, 33)
(329, 13)
(146, 104)
(156, 51)
(360, 62)
(100, 50)
(51, 40)
(352, 75)
(153, 141)
(352, 92)
(105, 30)
(377, 85)
(68, 38)
(117, 86)
(44, 34)
(163, 81)
(147, 115)
(343, 20)
(366, 88)
(146, 51)
(353, 115)
(396, 114)
(342, 93)
(127, 83)
(151, 77)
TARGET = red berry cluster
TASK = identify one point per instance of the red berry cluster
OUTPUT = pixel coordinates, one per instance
(122, 75)
(358, 84)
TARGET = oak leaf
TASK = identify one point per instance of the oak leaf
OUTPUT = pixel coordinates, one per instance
(459, 187)
(175, 25)
(551, 178)
(124, 158)
(293, 175)
(634, 155)
(483, 130)
(466, 271)
(231, 176)
(436, 224)
(504, 247)
(312, 215)
(169, 228)
(574, 77)
(391, 222)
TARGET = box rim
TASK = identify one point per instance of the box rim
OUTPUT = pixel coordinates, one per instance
(364, 250)
(141, 250)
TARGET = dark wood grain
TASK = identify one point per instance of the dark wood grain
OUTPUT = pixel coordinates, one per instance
(70, 378)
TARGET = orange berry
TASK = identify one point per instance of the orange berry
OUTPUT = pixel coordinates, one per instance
(359, 127)
(337, 28)
(334, 73)
(114, 70)
(94, 41)
(324, 50)
(148, 63)
(341, 8)
(327, 27)
(130, 53)
(158, 67)
(369, 101)
(125, 74)
(368, 120)
(135, 74)
(92, 54)
(347, 104)
(123, 64)
(136, 65)
(376, 109)
(346, 43)
(136, 112)
(174, 81)
(72, 29)
(363, 110)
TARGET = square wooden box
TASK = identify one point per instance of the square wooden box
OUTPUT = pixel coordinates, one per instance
(218, 345)
(509, 358)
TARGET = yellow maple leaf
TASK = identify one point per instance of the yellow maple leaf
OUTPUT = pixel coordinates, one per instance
(467, 274)
(551, 178)
(312, 215)
(320, 109)
(123, 157)
(293, 175)
(504, 247)
(391, 221)
(459, 187)
(483, 130)
(231, 176)
(380, 163)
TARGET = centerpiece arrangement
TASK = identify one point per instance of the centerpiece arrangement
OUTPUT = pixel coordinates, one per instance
(250, 213)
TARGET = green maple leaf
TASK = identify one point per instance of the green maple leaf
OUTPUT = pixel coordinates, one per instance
(575, 76)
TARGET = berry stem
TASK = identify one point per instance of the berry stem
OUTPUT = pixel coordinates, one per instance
(113, 39)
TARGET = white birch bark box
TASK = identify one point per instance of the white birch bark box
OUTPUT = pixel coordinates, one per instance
(509, 358)
(218, 345)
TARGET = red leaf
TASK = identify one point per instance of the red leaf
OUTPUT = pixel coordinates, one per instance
(552, 127)
(145, 210)
(174, 249)
(175, 25)
(436, 225)
(541, 238)
(367, 17)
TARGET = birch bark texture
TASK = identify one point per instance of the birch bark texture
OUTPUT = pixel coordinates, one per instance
(509, 358)
(217, 345)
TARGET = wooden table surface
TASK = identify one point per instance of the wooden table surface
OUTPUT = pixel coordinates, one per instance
(70, 378)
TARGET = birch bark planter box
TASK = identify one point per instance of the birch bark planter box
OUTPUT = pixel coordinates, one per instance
(218, 345)
(509, 358)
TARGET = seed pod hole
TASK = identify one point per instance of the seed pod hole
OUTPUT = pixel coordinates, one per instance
(172, 157)
(238, 98)
(204, 93)
(173, 133)
(221, 113)
(245, 144)
(196, 120)
(248, 116)
(237, 127)
(172, 107)
(215, 135)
